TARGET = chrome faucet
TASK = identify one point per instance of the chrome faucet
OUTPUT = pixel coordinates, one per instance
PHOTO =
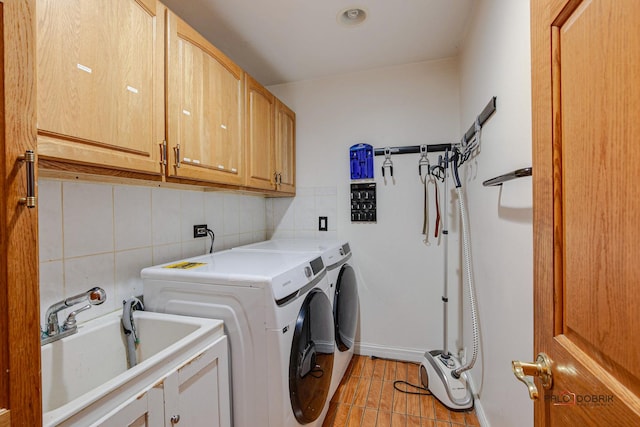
(53, 331)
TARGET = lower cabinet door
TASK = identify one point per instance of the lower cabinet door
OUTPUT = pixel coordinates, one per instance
(197, 393)
(146, 409)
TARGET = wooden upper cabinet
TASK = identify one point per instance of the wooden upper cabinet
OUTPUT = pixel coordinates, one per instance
(271, 129)
(260, 118)
(204, 109)
(100, 83)
(285, 144)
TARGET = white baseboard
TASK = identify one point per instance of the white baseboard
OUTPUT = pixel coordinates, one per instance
(477, 403)
(406, 354)
(482, 418)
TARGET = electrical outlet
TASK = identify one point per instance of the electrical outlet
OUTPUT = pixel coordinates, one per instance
(322, 223)
(199, 231)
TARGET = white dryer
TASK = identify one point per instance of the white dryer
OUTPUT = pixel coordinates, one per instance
(343, 291)
(278, 320)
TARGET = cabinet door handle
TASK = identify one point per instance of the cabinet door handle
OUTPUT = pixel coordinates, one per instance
(30, 161)
(176, 149)
(175, 419)
(163, 153)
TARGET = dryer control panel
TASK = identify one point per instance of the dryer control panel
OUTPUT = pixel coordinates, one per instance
(287, 286)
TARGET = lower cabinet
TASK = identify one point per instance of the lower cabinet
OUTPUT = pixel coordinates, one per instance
(146, 409)
(195, 394)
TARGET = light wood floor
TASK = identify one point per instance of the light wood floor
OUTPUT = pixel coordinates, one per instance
(366, 398)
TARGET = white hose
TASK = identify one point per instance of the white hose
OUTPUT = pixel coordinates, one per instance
(468, 275)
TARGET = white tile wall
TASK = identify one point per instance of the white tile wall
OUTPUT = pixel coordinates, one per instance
(132, 212)
(50, 219)
(94, 234)
(87, 218)
(165, 215)
(298, 217)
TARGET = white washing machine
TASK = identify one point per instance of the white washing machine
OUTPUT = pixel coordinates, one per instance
(343, 291)
(279, 322)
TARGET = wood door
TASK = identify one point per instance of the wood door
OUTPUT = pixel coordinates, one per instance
(204, 108)
(260, 117)
(285, 148)
(586, 106)
(100, 82)
(20, 389)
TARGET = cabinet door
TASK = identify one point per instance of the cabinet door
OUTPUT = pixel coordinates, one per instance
(20, 385)
(145, 410)
(285, 148)
(100, 80)
(204, 108)
(260, 117)
(197, 394)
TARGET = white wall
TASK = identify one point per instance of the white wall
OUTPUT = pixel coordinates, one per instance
(400, 277)
(496, 62)
(93, 234)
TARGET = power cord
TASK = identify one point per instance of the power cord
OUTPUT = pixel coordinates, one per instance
(422, 390)
(213, 238)
(317, 372)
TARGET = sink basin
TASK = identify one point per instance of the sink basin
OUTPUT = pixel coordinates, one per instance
(80, 370)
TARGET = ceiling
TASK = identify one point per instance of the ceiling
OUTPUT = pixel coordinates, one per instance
(281, 41)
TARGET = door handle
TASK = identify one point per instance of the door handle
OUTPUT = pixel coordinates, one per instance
(540, 368)
(176, 150)
(29, 158)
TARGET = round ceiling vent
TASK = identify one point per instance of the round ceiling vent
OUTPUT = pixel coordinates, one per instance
(352, 16)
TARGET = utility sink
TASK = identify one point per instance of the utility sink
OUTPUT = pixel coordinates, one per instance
(87, 372)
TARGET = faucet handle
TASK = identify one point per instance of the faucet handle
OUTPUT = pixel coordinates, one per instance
(70, 322)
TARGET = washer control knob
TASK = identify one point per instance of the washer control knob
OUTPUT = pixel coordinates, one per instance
(308, 272)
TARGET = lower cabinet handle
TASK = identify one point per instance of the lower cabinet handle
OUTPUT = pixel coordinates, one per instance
(175, 419)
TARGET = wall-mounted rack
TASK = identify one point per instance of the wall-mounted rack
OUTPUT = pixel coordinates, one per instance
(412, 149)
(487, 112)
(499, 180)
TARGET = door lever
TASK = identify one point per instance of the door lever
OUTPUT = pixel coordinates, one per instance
(541, 368)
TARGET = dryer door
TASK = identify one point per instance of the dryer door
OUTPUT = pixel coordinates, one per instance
(311, 361)
(345, 308)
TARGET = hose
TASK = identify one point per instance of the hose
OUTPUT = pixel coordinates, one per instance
(467, 267)
(129, 328)
(445, 244)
